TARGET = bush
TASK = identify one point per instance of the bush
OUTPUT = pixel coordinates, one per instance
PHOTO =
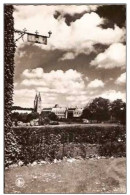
(48, 143)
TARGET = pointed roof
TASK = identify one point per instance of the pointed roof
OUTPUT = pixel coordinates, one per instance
(39, 96)
(36, 96)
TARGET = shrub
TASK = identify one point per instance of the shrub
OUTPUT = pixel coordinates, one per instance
(48, 143)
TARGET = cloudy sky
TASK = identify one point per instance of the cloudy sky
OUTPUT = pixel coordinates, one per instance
(85, 57)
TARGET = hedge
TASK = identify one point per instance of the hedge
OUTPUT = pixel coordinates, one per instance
(48, 143)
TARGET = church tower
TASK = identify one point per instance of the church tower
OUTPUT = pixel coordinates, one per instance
(37, 103)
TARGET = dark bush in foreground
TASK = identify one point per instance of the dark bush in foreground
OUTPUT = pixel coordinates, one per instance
(48, 143)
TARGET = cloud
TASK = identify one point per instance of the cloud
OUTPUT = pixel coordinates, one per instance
(25, 98)
(23, 11)
(113, 95)
(73, 9)
(86, 78)
(22, 97)
(54, 87)
(114, 56)
(68, 56)
(15, 84)
(80, 33)
(79, 100)
(96, 83)
(84, 34)
(35, 73)
(121, 79)
(62, 87)
(70, 81)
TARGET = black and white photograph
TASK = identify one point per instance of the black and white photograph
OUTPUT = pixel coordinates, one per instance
(65, 98)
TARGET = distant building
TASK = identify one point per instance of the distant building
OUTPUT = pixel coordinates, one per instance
(22, 111)
(60, 112)
(70, 113)
(47, 110)
(38, 104)
(77, 112)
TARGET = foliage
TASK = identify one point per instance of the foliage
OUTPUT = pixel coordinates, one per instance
(51, 115)
(101, 109)
(48, 143)
(20, 108)
(97, 110)
(24, 117)
(11, 147)
(118, 110)
(44, 121)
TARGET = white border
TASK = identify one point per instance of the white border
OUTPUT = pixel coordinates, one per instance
(2, 74)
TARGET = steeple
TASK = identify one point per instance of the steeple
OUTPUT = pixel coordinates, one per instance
(36, 96)
(37, 103)
(39, 97)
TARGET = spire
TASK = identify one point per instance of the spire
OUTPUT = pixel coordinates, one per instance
(37, 103)
(39, 96)
(36, 96)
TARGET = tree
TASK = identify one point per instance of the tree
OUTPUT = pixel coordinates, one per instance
(24, 117)
(43, 120)
(86, 113)
(51, 115)
(118, 110)
(32, 115)
(98, 110)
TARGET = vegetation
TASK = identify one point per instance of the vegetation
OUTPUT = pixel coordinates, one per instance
(101, 109)
(49, 143)
(10, 147)
(70, 176)
(20, 108)
(118, 110)
(24, 117)
(50, 115)
(44, 118)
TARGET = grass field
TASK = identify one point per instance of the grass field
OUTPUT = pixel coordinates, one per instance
(70, 176)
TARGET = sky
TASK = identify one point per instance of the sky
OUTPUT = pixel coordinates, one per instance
(85, 57)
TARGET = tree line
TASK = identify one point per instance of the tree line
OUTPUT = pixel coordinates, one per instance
(101, 109)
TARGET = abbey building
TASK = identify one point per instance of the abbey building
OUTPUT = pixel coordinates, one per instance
(61, 112)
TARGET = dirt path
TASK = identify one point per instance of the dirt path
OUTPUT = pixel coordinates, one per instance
(77, 176)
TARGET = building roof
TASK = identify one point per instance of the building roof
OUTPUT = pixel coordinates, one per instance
(79, 109)
(46, 109)
(22, 111)
(71, 108)
(59, 109)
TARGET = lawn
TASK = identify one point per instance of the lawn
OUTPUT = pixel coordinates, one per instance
(104, 175)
